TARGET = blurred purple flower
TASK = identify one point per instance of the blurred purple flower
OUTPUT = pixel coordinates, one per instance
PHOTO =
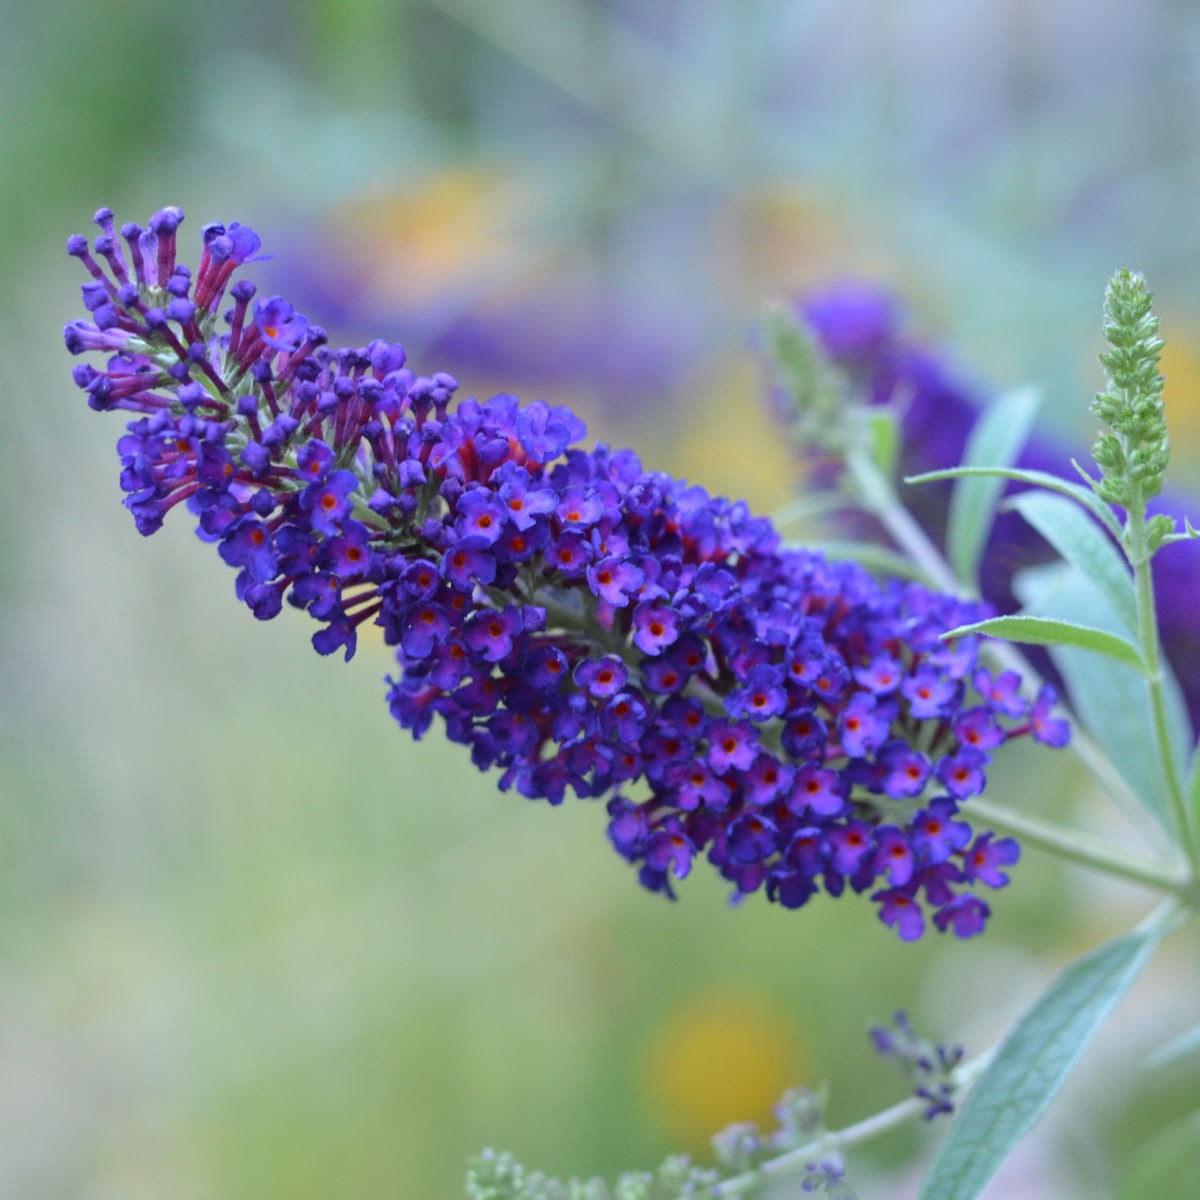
(860, 327)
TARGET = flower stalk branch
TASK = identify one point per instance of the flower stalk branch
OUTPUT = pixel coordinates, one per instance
(1080, 848)
(1140, 554)
(800, 1159)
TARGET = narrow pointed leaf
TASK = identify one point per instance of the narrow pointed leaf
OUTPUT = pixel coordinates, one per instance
(995, 441)
(1043, 479)
(1032, 1064)
(1110, 699)
(883, 437)
(1044, 631)
(1190, 534)
(1083, 544)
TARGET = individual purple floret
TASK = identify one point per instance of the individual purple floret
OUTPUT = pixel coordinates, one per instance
(580, 624)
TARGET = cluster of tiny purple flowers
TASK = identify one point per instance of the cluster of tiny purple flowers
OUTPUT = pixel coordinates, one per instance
(581, 624)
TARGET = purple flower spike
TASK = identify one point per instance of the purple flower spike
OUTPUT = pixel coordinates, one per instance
(578, 623)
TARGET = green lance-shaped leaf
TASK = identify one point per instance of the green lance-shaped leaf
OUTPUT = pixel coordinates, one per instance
(995, 441)
(882, 436)
(1110, 699)
(1193, 792)
(1045, 631)
(1190, 534)
(1032, 1064)
(1041, 479)
(1080, 541)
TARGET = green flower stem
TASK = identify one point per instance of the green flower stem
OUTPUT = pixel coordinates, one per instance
(1080, 848)
(1139, 557)
(807, 508)
(879, 498)
(799, 1159)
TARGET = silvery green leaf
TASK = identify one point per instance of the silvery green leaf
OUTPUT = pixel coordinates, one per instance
(1046, 631)
(883, 438)
(1193, 784)
(1042, 479)
(1111, 699)
(1032, 1064)
(1083, 544)
(995, 441)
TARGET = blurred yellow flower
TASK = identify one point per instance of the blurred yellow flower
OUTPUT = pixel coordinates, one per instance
(729, 443)
(1180, 366)
(447, 232)
(722, 1056)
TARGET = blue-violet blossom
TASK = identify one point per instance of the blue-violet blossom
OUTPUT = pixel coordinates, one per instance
(579, 623)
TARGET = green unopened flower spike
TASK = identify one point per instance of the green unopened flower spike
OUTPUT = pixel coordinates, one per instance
(809, 387)
(1133, 451)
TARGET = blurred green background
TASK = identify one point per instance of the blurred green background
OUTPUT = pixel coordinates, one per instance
(254, 942)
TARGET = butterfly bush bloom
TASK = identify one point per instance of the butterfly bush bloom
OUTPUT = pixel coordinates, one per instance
(859, 327)
(580, 624)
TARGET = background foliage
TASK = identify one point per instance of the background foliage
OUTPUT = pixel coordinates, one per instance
(255, 943)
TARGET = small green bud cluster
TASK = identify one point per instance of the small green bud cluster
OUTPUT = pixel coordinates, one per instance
(740, 1149)
(811, 391)
(1133, 451)
(499, 1176)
